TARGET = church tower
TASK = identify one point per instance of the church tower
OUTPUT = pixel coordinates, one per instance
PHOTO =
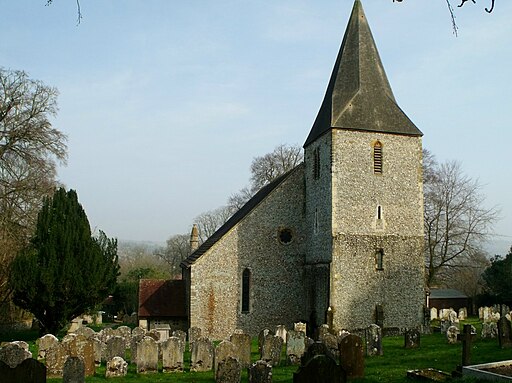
(364, 197)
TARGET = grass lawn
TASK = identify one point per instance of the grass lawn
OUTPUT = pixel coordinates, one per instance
(435, 352)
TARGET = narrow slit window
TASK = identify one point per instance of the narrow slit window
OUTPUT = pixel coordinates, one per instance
(379, 260)
(377, 158)
(316, 163)
(246, 287)
(379, 212)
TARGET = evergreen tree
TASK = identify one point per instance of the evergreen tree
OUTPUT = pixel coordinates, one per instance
(65, 270)
(498, 279)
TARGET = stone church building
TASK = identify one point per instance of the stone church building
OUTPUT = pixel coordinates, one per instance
(343, 231)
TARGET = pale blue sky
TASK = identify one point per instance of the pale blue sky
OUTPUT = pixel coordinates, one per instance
(167, 102)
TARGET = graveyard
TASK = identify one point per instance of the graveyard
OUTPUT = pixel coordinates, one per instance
(364, 357)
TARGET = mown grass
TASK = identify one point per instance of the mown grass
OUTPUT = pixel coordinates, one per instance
(435, 352)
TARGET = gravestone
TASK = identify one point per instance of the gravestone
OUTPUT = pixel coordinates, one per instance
(412, 339)
(106, 333)
(85, 331)
(504, 333)
(115, 347)
(352, 356)
(300, 326)
(194, 333)
(433, 313)
(138, 331)
(321, 331)
(172, 354)
(116, 367)
(467, 338)
(452, 317)
(445, 325)
(451, 334)
(182, 335)
(28, 371)
(463, 313)
(295, 346)
(379, 315)
(223, 351)
(56, 356)
(74, 370)
(13, 354)
(281, 332)
(261, 338)
(320, 369)
(486, 314)
(489, 330)
(271, 350)
(133, 346)
(331, 341)
(201, 357)
(260, 372)
(147, 355)
(228, 371)
(374, 340)
(21, 343)
(126, 333)
(83, 348)
(44, 343)
(242, 343)
(154, 333)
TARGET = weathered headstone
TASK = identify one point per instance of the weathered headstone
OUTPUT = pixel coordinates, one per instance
(374, 340)
(321, 331)
(82, 347)
(147, 355)
(300, 326)
(194, 333)
(295, 346)
(116, 367)
(154, 333)
(451, 334)
(242, 343)
(182, 335)
(56, 356)
(452, 317)
(201, 358)
(433, 313)
(412, 338)
(331, 341)
(228, 371)
(85, 331)
(466, 337)
(126, 333)
(486, 314)
(489, 330)
(445, 325)
(24, 345)
(98, 347)
(133, 346)
(260, 372)
(261, 338)
(115, 347)
(74, 370)
(504, 333)
(106, 333)
(172, 354)
(13, 354)
(320, 369)
(28, 371)
(271, 350)
(352, 356)
(281, 332)
(138, 331)
(223, 351)
(463, 313)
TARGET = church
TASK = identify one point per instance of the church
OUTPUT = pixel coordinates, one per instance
(339, 238)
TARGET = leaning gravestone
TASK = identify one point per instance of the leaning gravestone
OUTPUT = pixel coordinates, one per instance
(74, 370)
(374, 340)
(223, 351)
(13, 354)
(115, 347)
(451, 334)
(172, 354)
(295, 346)
(201, 357)
(260, 372)
(228, 371)
(352, 356)
(56, 356)
(82, 347)
(321, 368)
(147, 355)
(116, 367)
(412, 338)
(242, 343)
(28, 371)
(504, 333)
(133, 346)
(271, 350)
(45, 343)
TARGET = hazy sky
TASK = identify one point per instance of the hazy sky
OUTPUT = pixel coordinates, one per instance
(166, 103)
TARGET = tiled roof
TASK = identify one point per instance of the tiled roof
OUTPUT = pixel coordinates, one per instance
(162, 298)
(235, 218)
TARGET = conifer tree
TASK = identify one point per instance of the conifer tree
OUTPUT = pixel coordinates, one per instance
(65, 270)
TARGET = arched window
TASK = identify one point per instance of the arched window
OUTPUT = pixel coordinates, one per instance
(377, 157)
(246, 290)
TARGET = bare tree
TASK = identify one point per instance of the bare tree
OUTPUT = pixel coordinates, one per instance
(176, 250)
(30, 149)
(456, 221)
(208, 222)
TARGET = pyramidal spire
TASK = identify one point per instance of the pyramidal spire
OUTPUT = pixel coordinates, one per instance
(359, 96)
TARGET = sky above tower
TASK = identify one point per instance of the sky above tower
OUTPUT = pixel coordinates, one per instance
(166, 103)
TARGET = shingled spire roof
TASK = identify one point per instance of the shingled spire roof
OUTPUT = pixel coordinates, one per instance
(359, 96)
